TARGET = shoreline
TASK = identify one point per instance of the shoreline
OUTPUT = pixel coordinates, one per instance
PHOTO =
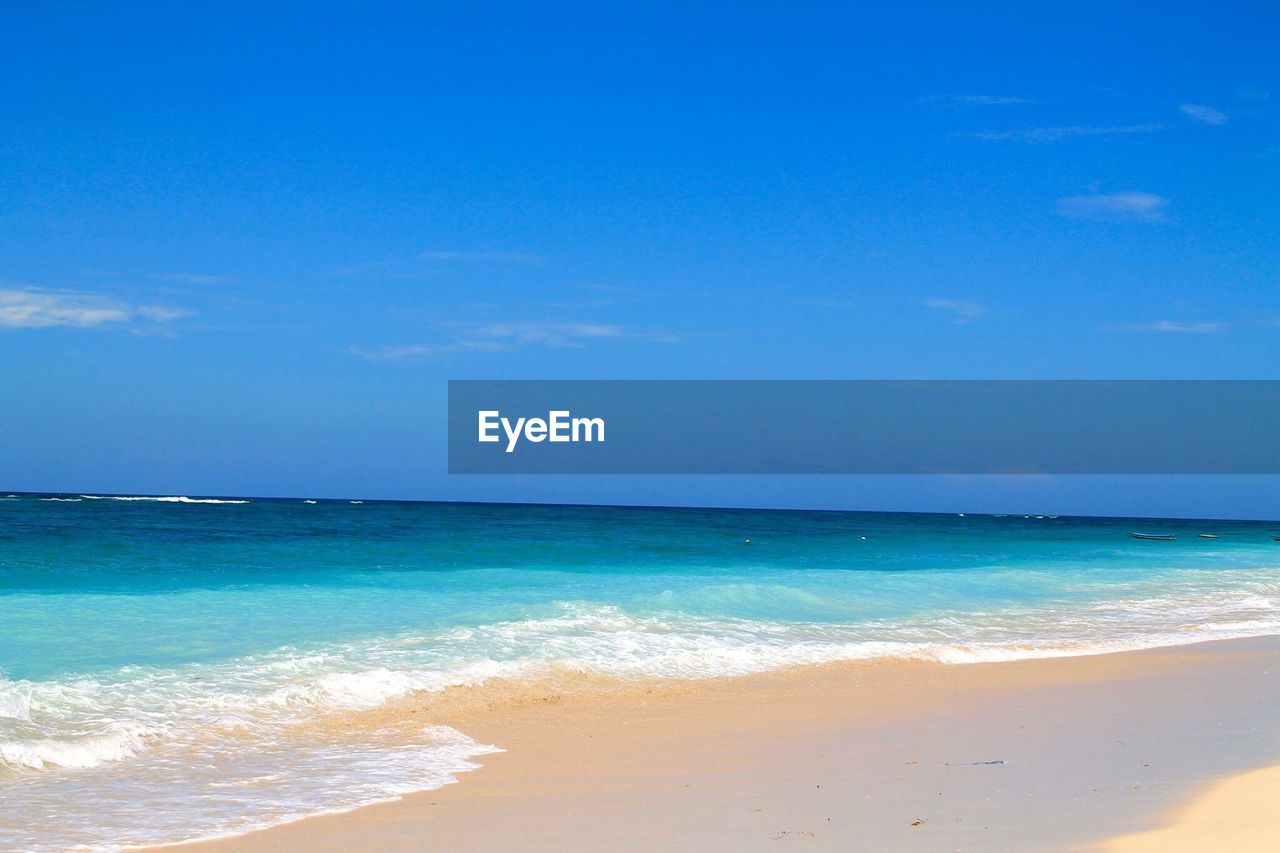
(1056, 753)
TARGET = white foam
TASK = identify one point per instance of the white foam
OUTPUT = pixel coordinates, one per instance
(15, 701)
(172, 499)
(183, 796)
(165, 737)
(115, 742)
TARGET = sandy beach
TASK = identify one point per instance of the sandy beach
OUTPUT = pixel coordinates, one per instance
(639, 427)
(1162, 749)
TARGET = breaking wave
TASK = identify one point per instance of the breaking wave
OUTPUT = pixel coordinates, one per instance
(168, 499)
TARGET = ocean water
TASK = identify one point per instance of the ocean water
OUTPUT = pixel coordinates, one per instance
(178, 667)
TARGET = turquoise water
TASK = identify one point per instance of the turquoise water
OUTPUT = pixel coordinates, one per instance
(167, 663)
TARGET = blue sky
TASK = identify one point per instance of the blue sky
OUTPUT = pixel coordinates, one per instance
(243, 246)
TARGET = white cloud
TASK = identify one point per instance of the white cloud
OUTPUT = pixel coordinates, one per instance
(958, 311)
(41, 309)
(162, 313)
(404, 353)
(1172, 327)
(1201, 113)
(1131, 205)
(543, 334)
(504, 337)
(1053, 134)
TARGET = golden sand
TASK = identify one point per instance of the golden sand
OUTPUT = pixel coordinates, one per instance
(1240, 814)
(1049, 754)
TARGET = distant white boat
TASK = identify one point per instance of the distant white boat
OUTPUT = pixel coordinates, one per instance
(308, 502)
(1207, 535)
(1164, 537)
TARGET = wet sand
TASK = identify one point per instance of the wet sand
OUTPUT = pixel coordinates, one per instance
(1057, 754)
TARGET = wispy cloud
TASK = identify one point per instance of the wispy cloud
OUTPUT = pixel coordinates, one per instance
(977, 100)
(32, 308)
(511, 335)
(1054, 134)
(1203, 114)
(958, 311)
(161, 313)
(188, 278)
(502, 257)
(505, 337)
(1170, 327)
(1122, 206)
(401, 353)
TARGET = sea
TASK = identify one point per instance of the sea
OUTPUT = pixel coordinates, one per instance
(178, 667)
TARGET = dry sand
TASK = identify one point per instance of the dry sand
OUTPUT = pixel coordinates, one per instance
(1067, 753)
(1237, 814)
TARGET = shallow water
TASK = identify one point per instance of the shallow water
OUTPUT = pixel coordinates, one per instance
(161, 656)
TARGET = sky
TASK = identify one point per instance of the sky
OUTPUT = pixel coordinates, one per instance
(243, 247)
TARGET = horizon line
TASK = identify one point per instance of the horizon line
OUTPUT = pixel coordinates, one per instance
(580, 505)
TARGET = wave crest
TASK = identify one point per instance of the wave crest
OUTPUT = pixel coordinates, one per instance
(169, 499)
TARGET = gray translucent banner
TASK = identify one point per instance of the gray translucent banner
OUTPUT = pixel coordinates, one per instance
(864, 427)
